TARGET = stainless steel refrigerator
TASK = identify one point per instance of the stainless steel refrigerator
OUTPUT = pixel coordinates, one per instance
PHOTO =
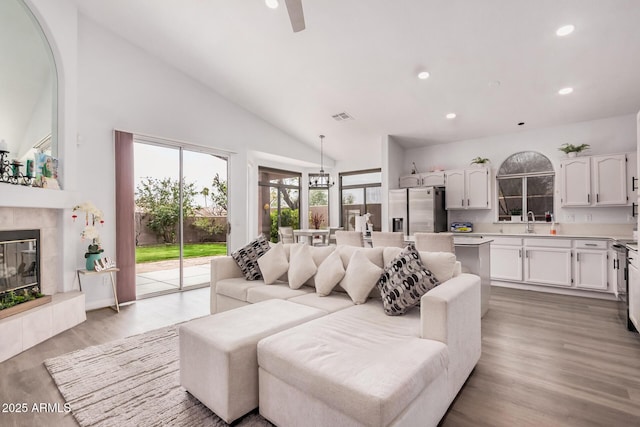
(421, 209)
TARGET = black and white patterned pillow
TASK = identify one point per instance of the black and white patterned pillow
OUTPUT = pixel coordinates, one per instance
(404, 281)
(247, 257)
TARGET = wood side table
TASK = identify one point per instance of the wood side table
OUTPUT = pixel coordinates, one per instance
(85, 272)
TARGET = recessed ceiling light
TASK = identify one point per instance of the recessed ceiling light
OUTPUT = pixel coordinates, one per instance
(423, 75)
(565, 91)
(565, 30)
(271, 4)
(451, 116)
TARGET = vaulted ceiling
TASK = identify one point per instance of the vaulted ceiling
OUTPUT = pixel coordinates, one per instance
(494, 63)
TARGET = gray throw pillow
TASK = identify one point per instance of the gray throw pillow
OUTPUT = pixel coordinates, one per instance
(247, 257)
(404, 281)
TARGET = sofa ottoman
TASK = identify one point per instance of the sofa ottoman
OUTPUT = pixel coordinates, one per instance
(218, 360)
(355, 367)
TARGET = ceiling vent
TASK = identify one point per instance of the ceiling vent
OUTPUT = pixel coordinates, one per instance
(341, 117)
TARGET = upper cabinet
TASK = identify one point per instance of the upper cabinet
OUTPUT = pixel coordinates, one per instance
(468, 188)
(594, 181)
(610, 179)
(432, 179)
(428, 179)
(409, 181)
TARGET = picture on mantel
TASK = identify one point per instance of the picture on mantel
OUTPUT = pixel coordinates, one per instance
(46, 169)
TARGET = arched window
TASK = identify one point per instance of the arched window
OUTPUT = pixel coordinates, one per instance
(525, 183)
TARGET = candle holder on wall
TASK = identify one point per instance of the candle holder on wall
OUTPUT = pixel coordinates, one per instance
(10, 171)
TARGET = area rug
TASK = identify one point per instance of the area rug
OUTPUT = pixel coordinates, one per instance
(133, 381)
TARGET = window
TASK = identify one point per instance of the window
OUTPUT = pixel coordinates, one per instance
(361, 193)
(278, 201)
(525, 183)
(319, 207)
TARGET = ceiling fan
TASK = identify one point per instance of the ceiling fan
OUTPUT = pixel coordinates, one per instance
(296, 15)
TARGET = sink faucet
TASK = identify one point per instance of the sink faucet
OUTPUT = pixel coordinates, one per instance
(530, 222)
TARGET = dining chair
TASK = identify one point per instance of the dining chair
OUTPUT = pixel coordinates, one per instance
(349, 238)
(285, 234)
(332, 234)
(384, 238)
(435, 242)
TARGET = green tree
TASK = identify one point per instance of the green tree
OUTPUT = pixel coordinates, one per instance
(160, 198)
(288, 218)
(318, 197)
(205, 192)
(219, 195)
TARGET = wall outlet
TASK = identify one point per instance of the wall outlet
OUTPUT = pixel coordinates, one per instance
(588, 218)
(569, 218)
(105, 280)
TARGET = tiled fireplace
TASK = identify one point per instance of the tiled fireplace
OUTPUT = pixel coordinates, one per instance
(46, 221)
(67, 309)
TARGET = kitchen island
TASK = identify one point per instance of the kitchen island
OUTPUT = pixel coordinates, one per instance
(474, 253)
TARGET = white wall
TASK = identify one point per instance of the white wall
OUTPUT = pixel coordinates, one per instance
(606, 136)
(59, 23)
(122, 87)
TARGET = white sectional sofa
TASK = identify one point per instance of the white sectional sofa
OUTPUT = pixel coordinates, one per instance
(356, 365)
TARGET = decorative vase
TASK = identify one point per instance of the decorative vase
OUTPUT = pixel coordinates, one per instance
(572, 154)
(91, 258)
(516, 218)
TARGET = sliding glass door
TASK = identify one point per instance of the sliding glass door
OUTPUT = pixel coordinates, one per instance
(181, 216)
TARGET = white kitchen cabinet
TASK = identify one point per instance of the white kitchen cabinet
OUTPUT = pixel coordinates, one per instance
(581, 264)
(575, 182)
(591, 270)
(594, 181)
(432, 179)
(454, 189)
(634, 290)
(591, 264)
(547, 266)
(409, 181)
(506, 263)
(468, 188)
(609, 180)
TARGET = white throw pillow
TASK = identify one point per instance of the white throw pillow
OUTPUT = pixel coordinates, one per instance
(273, 264)
(360, 278)
(441, 264)
(319, 254)
(301, 266)
(329, 274)
(373, 254)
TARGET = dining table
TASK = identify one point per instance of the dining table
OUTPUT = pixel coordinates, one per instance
(309, 233)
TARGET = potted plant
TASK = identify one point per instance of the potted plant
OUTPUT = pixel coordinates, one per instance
(480, 161)
(93, 216)
(316, 220)
(516, 214)
(572, 150)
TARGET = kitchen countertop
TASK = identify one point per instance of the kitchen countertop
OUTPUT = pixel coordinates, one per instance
(541, 235)
(470, 241)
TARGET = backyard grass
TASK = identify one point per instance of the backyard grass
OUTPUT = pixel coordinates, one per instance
(191, 250)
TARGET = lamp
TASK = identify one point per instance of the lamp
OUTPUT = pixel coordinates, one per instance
(322, 179)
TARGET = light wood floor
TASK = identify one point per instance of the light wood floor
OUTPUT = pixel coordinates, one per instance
(547, 360)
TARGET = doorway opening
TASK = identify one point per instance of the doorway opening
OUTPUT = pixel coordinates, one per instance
(279, 201)
(180, 215)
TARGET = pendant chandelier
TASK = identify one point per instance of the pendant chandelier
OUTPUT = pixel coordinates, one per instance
(322, 179)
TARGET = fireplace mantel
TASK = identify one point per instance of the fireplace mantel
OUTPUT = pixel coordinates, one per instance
(20, 196)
